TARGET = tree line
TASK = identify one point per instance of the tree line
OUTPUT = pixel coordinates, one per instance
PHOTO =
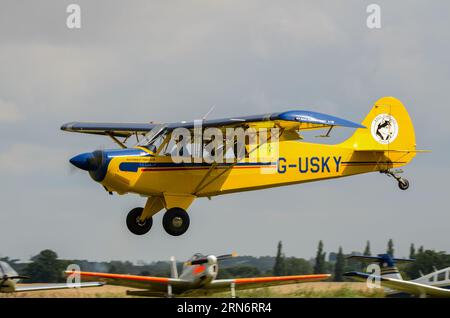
(425, 261)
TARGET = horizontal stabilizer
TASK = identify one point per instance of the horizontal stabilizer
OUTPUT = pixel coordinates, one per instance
(380, 258)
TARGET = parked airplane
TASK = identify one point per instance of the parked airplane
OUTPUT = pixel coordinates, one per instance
(9, 279)
(161, 168)
(435, 284)
(198, 277)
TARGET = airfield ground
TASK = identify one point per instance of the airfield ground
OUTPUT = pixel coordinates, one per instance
(306, 290)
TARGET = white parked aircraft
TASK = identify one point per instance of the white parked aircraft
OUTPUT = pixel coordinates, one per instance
(9, 279)
(436, 284)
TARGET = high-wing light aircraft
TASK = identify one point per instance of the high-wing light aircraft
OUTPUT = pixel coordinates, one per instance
(157, 167)
(436, 284)
(9, 279)
(198, 277)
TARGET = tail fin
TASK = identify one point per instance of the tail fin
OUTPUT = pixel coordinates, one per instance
(386, 263)
(388, 128)
(173, 267)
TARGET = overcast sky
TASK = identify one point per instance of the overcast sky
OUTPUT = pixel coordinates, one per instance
(164, 61)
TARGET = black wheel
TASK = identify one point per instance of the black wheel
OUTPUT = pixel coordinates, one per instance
(135, 225)
(176, 221)
(403, 184)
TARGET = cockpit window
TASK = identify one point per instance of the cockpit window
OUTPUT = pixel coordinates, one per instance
(441, 276)
(154, 138)
(196, 256)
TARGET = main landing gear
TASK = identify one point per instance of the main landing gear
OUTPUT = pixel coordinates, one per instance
(134, 223)
(403, 183)
(175, 222)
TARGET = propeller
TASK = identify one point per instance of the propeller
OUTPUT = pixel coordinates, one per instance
(90, 161)
(6, 277)
(211, 258)
(225, 256)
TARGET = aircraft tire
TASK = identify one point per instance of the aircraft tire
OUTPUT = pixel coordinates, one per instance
(403, 184)
(176, 221)
(133, 224)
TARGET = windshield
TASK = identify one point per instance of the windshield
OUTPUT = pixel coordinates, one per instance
(154, 138)
(196, 257)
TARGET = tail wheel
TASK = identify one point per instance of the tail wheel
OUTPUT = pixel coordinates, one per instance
(176, 221)
(135, 225)
(403, 184)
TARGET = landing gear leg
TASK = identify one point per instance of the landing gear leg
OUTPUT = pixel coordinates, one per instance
(403, 183)
(169, 291)
(233, 290)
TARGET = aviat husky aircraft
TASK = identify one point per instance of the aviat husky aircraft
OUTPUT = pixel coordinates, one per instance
(436, 284)
(9, 279)
(197, 278)
(385, 140)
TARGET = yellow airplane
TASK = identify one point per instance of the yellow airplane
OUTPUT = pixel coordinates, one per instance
(172, 169)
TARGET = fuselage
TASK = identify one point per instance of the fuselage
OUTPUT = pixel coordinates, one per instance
(139, 170)
(202, 274)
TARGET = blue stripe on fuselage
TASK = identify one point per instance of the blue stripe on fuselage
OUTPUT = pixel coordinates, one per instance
(134, 166)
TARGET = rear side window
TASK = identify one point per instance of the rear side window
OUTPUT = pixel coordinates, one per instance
(441, 276)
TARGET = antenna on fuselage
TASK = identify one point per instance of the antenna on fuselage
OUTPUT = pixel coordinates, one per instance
(173, 269)
(209, 112)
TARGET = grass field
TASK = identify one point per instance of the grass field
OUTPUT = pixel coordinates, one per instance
(306, 290)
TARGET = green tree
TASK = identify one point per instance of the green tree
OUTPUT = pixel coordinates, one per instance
(279, 266)
(319, 266)
(367, 249)
(390, 248)
(426, 262)
(112, 269)
(412, 251)
(420, 249)
(239, 271)
(144, 273)
(339, 266)
(297, 266)
(45, 268)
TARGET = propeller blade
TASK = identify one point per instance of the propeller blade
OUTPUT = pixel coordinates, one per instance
(18, 277)
(222, 257)
(205, 260)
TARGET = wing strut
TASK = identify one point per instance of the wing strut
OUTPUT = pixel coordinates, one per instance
(117, 141)
(201, 187)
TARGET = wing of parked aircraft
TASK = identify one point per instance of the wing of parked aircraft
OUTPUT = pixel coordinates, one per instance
(289, 120)
(55, 286)
(157, 284)
(410, 287)
(257, 282)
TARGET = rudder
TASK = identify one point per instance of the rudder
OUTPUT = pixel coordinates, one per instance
(388, 127)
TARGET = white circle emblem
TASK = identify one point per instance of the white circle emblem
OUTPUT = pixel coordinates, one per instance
(384, 129)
